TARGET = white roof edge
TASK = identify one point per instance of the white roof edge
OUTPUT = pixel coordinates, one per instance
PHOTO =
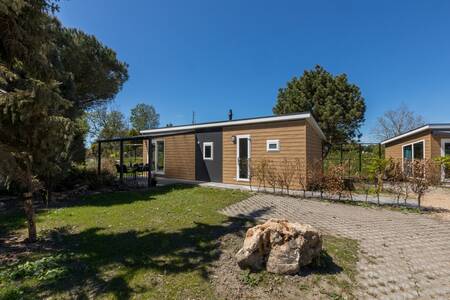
(416, 131)
(301, 116)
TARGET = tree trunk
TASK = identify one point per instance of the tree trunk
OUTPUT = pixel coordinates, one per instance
(419, 198)
(31, 220)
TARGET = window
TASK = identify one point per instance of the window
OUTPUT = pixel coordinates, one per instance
(208, 149)
(273, 145)
(158, 156)
(415, 151)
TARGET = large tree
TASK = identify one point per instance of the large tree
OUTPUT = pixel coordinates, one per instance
(144, 116)
(45, 81)
(397, 121)
(106, 124)
(336, 104)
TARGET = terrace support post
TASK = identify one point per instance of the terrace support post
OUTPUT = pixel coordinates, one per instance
(121, 162)
(379, 150)
(99, 158)
(150, 157)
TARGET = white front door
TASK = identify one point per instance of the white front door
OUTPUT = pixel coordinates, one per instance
(445, 151)
(243, 154)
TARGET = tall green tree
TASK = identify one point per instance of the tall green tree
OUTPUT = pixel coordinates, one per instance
(115, 126)
(45, 73)
(144, 116)
(105, 124)
(336, 104)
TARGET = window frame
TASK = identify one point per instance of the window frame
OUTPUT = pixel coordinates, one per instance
(211, 144)
(269, 142)
(155, 158)
(412, 151)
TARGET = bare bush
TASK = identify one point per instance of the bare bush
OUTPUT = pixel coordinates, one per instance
(272, 174)
(286, 175)
(397, 179)
(425, 173)
(260, 170)
(302, 178)
(316, 178)
(335, 183)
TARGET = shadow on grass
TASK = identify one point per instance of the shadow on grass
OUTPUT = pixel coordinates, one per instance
(90, 251)
(15, 219)
(323, 265)
(128, 197)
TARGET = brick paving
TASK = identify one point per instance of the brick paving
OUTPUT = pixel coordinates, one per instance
(402, 255)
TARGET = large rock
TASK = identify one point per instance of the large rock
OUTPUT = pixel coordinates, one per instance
(279, 246)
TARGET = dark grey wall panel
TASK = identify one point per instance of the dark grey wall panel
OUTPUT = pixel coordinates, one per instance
(209, 170)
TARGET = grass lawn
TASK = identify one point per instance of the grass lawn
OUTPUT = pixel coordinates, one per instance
(146, 245)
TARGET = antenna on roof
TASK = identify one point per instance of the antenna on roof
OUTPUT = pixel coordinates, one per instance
(193, 117)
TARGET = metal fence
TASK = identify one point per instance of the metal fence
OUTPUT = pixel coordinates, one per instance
(124, 158)
(354, 157)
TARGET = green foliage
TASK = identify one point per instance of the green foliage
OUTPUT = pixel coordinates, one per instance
(44, 269)
(377, 167)
(49, 75)
(443, 161)
(376, 172)
(79, 175)
(251, 279)
(105, 124)
(144, 116)
(336, 104)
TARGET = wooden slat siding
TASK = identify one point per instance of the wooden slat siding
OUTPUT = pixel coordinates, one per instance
(179, 155)
(394, 150)
(314, 148)
(436, 146)
(292, 136)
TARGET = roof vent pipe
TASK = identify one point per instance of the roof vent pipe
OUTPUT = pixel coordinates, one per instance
(230, 115)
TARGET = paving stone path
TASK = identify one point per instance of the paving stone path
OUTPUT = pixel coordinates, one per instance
(402, 255)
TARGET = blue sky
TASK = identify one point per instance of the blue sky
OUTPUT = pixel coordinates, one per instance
(208, 56)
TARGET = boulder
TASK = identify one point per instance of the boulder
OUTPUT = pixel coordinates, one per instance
(280, 247)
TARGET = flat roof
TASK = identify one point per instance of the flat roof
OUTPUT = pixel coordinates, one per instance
(436, 126)
(267, 119)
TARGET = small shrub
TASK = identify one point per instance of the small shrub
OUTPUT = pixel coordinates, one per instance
(316, 178)
(82, 175)
(376, 172)
(287, 173)
(272, 174)
(302, 178)
(251, 279)
(334, 180)
(260, 172)
(425, 173)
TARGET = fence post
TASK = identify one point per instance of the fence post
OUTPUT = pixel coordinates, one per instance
(360, 159)
(99, 158)
(150, 157)
(121, 161)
